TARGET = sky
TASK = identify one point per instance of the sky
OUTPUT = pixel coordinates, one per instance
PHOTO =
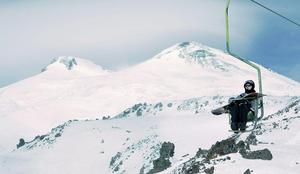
(116, 34)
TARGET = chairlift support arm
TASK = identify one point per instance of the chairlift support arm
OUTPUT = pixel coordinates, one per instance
(243, 60)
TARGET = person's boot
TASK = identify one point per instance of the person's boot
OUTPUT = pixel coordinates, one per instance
(242, 126)
(234, 127)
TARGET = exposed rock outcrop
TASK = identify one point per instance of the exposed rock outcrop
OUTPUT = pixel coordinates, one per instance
(163, 162)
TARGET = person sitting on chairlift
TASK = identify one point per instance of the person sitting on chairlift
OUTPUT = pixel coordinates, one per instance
(242, 111)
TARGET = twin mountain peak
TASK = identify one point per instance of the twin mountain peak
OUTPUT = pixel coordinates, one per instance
(191, 52)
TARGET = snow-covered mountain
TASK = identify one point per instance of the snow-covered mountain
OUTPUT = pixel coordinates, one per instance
(179, 85)
(183, 132)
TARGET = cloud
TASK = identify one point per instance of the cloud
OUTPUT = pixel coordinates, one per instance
(113, 32)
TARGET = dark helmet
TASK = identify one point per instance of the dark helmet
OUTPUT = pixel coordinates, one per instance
(251, 83)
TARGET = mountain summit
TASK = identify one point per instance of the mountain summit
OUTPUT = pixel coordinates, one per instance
(69, 62)
(188, 50)
(197, 53)
(74, 65)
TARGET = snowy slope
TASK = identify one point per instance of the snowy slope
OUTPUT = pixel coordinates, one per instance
(278, 132)
(202, 64)
(72, 88)
(37, 103)
(131, 141)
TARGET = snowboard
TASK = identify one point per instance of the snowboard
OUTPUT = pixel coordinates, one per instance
(249, 97)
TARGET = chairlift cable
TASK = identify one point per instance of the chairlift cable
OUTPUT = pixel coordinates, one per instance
(278, 14)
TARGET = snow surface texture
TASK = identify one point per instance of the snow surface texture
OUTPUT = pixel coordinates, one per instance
(171, 94)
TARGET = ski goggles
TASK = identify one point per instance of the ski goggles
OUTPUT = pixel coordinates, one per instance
(248, 86)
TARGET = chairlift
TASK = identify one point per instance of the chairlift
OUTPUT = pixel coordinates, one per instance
(259, 106)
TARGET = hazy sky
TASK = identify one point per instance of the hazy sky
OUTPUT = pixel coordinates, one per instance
(120, 33)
